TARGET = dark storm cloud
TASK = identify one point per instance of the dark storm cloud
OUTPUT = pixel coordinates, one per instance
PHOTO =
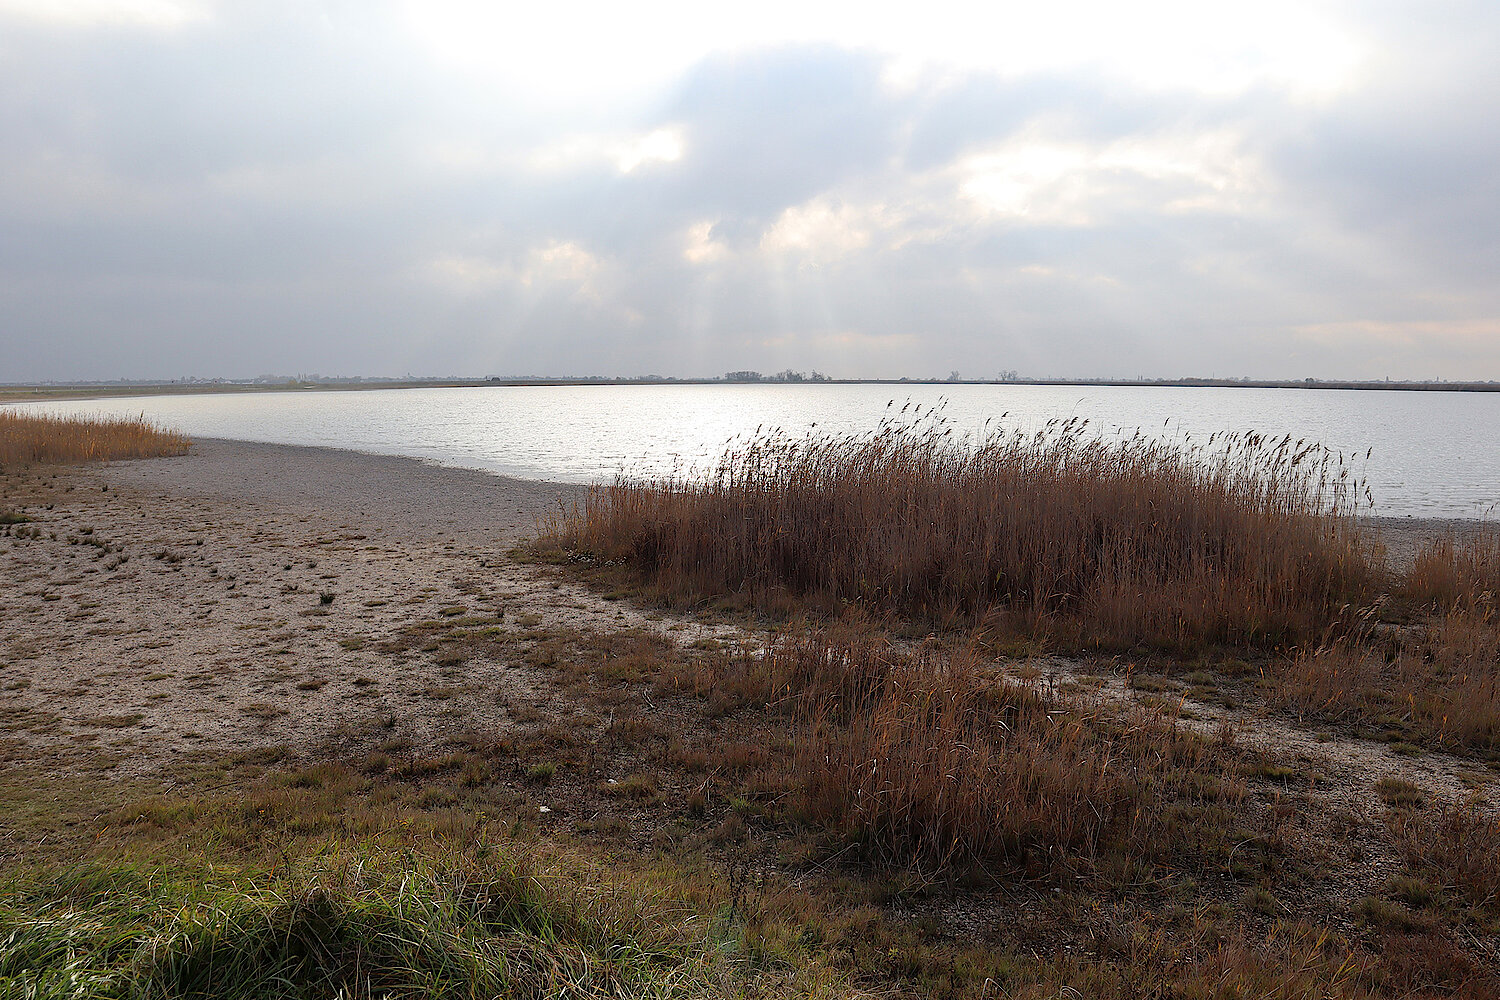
(284, 189)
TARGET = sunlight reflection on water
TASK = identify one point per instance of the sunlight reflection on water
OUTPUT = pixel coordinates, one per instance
(1434, 454)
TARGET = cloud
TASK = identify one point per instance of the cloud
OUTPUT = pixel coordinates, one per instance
(241, 189)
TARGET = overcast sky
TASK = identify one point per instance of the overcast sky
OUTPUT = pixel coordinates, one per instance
(1091, 189)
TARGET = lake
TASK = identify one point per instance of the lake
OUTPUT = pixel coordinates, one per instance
(1434, 454)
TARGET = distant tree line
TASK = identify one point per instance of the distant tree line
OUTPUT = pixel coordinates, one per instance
(782, 376)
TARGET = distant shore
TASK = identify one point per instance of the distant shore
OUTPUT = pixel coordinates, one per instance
(17, 393)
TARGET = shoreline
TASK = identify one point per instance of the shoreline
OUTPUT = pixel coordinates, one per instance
(475, 503)
(265, 457)
(148, 569)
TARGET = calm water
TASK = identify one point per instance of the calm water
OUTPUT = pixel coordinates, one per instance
(1435, 454)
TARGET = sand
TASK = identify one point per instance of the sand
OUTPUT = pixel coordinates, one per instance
(175, 606)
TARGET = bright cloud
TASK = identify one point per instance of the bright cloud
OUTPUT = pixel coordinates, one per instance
(84, 13)
(1222, 48)
(1076, 184)
(1078, 188)
(824, 229)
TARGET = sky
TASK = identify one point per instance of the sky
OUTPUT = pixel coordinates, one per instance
(197, 188)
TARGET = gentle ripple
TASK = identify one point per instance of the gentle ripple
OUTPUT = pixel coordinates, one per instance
(1435, 454)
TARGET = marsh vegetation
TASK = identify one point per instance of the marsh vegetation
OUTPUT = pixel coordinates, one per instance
(40, 439)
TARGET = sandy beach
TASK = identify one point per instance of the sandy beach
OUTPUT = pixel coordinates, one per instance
(175, 605)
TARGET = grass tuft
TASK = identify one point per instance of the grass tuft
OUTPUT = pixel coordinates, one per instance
(439, 931)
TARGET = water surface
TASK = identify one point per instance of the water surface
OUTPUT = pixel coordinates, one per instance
(1433, 454)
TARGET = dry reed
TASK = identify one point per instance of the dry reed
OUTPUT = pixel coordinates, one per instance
(1458, 843)
(930, 759)
(1454, 571)
(37, 439)
(1434, 679)
(1438, 683)
(1116, 541)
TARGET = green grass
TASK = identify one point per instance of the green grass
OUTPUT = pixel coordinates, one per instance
(459, 930)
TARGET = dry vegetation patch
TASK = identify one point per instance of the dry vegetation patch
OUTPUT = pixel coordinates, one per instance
(40, 439)
(1063, 541)
(1110, 542)
(1421, 663)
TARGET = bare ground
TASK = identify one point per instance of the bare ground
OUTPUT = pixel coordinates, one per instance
(252, 595)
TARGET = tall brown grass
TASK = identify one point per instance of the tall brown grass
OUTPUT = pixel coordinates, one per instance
(1437, 684)
(1456, 572)
(36, 439)
(1104, 540)
(1456, 842)
(1433, 679)
(929, 758)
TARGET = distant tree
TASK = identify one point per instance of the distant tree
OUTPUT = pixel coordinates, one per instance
(745, 376)
(790, 376)
(817, 376)
(954, 376)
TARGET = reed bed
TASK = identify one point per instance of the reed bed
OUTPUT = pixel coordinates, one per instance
(1455, 572)
(39, 439)
(1098, 540)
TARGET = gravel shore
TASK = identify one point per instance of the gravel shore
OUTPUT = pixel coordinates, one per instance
(385, 494)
